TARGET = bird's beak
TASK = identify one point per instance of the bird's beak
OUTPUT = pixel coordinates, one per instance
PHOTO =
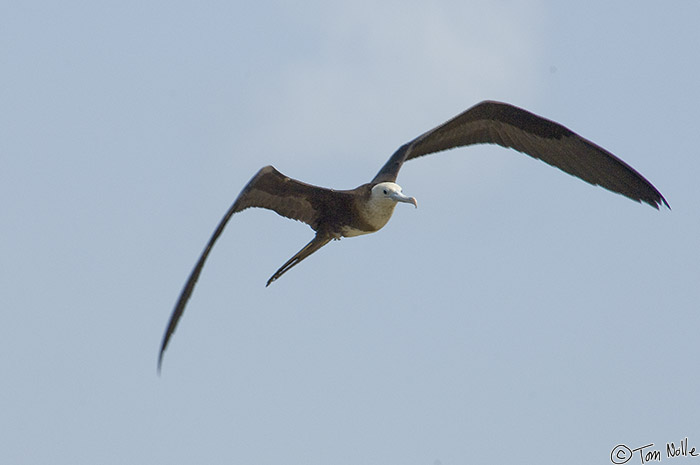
(399, 197)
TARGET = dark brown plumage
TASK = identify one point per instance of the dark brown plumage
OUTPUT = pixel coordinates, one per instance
(335, 214)
(508, 126)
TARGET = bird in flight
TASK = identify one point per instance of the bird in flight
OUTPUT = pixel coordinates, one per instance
(366, 209)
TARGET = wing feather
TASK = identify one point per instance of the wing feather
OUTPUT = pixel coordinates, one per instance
(268, 189)
(512, 127)
(290, 198)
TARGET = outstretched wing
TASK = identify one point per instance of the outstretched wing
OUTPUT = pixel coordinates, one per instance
(268, 189)
(508, 126)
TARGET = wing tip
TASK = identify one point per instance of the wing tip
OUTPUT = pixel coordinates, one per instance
(659, 204)
(657, 201)
(161, 353)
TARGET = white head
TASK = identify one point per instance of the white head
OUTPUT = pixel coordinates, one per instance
(390, 193)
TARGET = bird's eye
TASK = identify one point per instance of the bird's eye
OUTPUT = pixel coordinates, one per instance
(386, 192)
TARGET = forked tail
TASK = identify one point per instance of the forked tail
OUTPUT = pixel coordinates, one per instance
(316, 243)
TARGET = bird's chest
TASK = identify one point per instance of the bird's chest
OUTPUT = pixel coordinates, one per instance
(371, 217)
(356, 218)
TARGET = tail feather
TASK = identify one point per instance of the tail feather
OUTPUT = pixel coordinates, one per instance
(316, 243)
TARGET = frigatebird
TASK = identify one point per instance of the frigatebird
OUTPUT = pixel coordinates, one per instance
(345, 213)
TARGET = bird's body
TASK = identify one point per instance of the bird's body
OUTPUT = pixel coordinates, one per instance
(347, 213)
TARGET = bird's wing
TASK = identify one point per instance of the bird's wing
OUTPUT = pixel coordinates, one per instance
(268, 189)
(508, 126)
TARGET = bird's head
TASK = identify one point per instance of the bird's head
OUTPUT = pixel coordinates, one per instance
(391, 192)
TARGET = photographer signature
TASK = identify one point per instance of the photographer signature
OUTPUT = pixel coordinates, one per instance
(623, 454)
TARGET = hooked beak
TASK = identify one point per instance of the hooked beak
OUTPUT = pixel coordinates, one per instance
(399, 197)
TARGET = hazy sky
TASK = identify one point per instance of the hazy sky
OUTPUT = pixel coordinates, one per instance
(519, 315)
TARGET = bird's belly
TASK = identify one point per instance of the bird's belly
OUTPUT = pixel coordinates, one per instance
(349, 231)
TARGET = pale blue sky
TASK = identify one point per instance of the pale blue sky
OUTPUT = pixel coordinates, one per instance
(518, 315)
